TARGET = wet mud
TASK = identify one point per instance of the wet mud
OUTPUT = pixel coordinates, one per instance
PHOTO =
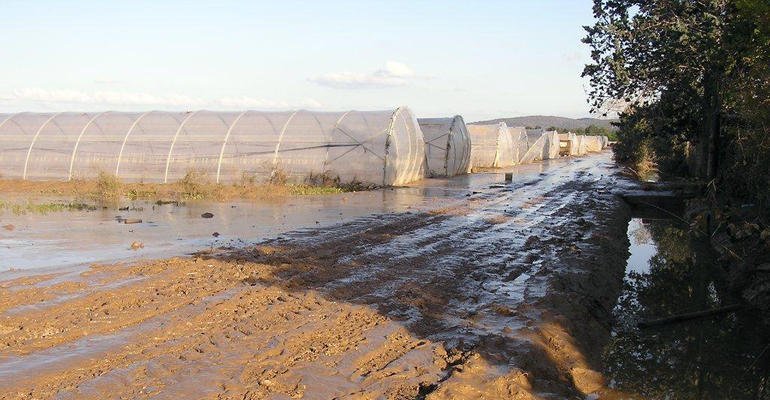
(506, 294)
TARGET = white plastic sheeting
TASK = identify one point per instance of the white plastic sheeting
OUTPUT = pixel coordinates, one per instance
(568, 144)
(447, 146)
(579, 145)
(594, 143)
(544, 147)
(582, 145)
(491, 146)
(381, 147)
(520, 142)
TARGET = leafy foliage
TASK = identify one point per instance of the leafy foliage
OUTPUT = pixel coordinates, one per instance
(692, 78)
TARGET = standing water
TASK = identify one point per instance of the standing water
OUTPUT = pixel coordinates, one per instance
(719, 357)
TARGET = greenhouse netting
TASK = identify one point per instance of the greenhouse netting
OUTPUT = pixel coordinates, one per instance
(380, 147)
(491, 146)
(447, 146)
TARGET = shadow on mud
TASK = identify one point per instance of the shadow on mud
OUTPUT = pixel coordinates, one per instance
(550, 341)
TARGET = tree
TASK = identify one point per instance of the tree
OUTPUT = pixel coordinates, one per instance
(642, 49)
(694, 77)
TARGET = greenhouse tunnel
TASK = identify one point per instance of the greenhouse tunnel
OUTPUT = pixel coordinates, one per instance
(379, 147)
(491, 146)
(447, 146)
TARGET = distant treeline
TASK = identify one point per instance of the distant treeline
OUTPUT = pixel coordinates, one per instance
(589, 130)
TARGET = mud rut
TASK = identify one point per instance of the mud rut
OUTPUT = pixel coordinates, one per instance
(504, 295)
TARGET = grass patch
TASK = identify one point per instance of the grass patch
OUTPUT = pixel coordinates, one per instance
(307, 190)
(44, 208)
(108, 190)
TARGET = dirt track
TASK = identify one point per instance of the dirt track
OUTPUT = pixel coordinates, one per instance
(504, 295)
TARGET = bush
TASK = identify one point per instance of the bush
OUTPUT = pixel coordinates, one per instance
(109, 189)
(194, 186)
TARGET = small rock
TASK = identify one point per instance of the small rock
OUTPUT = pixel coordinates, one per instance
(137, 245)
(123, 208)
(251, 280)
(9, 227)
(207, 215)
(215, 234)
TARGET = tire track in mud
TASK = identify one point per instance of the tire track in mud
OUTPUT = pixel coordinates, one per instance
(440, 304)
(457, 275)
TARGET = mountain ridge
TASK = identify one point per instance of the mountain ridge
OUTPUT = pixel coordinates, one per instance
(547, 121)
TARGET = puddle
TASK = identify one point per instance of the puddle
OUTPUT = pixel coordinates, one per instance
(718, 357)
(642, 246)
(72, 240)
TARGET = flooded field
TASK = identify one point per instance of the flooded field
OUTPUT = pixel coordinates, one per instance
(463, 288)
(73, 239)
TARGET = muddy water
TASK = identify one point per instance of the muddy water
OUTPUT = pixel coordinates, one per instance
(501, 294)
(722, 357)
(75, 239)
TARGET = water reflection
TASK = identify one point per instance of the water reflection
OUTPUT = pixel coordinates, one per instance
(720, 357)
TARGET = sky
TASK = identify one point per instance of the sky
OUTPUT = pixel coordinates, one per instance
(480, 59)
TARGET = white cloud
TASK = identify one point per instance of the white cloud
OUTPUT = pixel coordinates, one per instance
(61, 99)
(392, 74)
(250, 102)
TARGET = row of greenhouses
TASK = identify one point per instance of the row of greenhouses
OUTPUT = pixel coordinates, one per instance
(388, 147)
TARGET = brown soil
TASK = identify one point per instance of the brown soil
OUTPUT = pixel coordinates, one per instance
(505, 296)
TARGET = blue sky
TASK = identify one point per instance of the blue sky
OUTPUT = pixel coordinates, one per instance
(481, 59)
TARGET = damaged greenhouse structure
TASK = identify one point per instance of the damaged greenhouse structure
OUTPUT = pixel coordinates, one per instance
(544, 147)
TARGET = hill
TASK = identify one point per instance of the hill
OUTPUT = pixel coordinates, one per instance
(545, 121)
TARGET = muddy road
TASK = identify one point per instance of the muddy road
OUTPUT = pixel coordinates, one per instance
(506, 293)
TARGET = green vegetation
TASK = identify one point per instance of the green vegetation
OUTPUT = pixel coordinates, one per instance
(44, 208)
(108, 191)
(594, 130)
(694, 80)
(308, 190)
(194, 186)
(108, 188)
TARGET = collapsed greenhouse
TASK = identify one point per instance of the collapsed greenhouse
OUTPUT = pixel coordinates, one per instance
(571, 144)
(520, 142)
(447, 146)
(491, 146)
(380, 147)
(544, 147)
(594, 143)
